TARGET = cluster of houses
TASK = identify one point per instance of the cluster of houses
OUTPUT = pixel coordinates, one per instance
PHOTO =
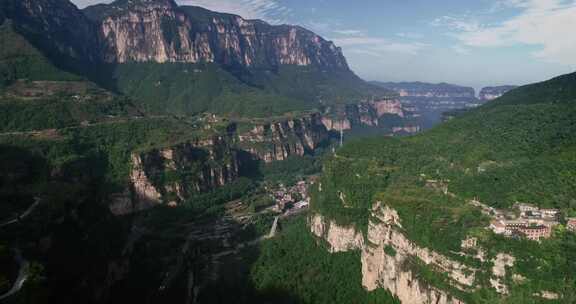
(571, 225)
(525, 221)
(292, 198)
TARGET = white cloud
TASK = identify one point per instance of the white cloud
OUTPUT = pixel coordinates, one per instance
(410, 35)
(348, 32)
(376, 46)
(547, 24)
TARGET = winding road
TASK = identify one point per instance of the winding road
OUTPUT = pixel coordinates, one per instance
(23, 215)
(24, 264)
(22, 275)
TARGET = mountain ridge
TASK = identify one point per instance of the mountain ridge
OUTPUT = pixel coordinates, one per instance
(184, 60)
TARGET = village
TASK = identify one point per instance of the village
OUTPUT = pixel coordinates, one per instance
(524, 221)
(293, 199)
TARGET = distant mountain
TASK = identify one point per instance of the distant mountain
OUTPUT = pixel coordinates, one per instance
(184, 59)
(428, 101)
(491, 93)
(422, 89)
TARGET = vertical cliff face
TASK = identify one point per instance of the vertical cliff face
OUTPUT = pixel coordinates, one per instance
(279, 140)
(345, 117)
(160, 31)
(173, 174)
(388, 257)
(150, 31)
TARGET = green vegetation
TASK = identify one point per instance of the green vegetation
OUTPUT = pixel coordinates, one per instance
(389, 250)
(211, 203)
(23, 61)
(57, 112)
(519, 148)
(294, 262)
(182, 88)
(291, 170)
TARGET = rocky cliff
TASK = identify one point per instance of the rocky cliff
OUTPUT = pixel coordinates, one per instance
(173, 174)
(491, 93)
(345, 117)
(392, 261)
(161, 31)
(426, 102)
(183, 60)
(278, 140)
(388, 258)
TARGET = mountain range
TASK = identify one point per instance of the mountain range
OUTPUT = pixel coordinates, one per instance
(211, 61)
(148, 151)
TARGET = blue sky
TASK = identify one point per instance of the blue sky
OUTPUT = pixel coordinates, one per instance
(474, 43)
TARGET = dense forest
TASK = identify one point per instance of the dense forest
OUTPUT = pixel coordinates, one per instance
(520, 148)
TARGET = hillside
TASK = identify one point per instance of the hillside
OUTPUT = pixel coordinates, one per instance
(519, 148)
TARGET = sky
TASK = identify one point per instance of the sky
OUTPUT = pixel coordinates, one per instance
(467, 42)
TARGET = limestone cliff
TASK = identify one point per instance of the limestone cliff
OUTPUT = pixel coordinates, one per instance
(345, 117)
(161, 31)
(173, 174)
(279, 140)
(391, 271)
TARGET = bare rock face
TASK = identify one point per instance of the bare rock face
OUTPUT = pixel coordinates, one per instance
(145, 192)
(173, 174)
(279, 140)
(388, 107)
(340, 239)
(381, 269)
(501, 261)
(345, 117)
(491, 93)
(337, 124)
(161, 31)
